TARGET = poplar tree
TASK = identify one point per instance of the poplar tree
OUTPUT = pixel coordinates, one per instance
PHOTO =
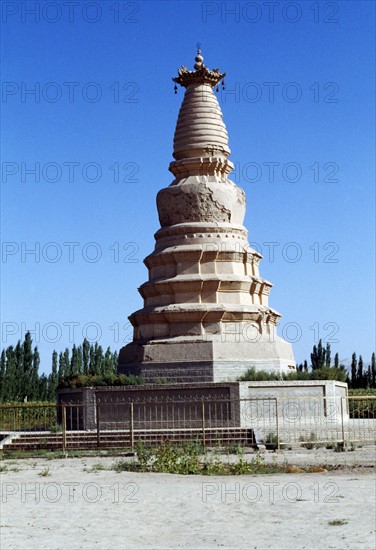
(115, 361)
(33, 389)
(28, 377)
(53, 378)
(360, 374)
(354, 364)
(318, 356)
(108, 364)
(19, 373)
(2, 374)
(85, 356)
(10, 382)
(61, 370)
(75, 367)
(66, 363)
(327, 356)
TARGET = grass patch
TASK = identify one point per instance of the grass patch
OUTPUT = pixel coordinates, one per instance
(97, 467)
(312, 442)
(336, 522)
(191, 459)
(340, 447)
(44, 473)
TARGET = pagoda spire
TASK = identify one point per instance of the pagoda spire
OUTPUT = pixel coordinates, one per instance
(201, 74)
(200, 140)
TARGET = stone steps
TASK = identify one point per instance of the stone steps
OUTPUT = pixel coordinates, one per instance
(118, 439)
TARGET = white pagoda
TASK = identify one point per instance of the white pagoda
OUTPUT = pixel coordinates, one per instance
(206, 315)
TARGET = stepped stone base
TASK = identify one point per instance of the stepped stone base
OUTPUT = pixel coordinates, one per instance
(204, 361)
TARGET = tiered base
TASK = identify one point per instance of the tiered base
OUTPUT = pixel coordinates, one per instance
(192, 360)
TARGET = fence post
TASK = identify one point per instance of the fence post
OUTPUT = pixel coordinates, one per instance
(342, 424)
(131, 426)
(277, 422)
(98, 426)
(64, 419)
(203, 423)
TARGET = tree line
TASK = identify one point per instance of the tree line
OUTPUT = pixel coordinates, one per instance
(359, 376)
(20, 380)
(19, 369)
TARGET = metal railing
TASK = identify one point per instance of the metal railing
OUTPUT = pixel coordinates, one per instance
(276, 422)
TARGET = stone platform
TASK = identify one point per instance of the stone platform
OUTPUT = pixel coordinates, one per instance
(259, 406)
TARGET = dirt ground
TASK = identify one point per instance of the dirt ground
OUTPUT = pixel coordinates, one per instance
(74, 504)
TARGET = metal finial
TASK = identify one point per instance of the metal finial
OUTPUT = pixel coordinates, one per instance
(199, 59)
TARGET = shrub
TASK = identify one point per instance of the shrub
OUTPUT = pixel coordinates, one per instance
(107, 379)
(326, 373)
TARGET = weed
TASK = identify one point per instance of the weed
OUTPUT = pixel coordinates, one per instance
(55, 428)
(271, 441)
(235, 449)
(44, 473)
(162, 380)
(189, 459)
(212, 463)
(310, 444)
(335, 522)
(97, 467)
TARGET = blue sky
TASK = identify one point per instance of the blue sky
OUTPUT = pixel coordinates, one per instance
(299, 107)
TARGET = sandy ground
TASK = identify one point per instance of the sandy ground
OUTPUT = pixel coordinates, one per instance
(65, 504)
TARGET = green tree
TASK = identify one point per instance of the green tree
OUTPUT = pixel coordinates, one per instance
(33, 387)
(336, 361)
(328, 358)
(2, 374)
(80, 360)
(318, 356)
(99, 359)
(76, 361)
(18, 389)
(86, 356)
(92, 360)
(360, 373)
(354, 368)
(43, 388)
(61, 369)
(373, 371)
(108, 364)
(369, 377)
(115, 361)
(10, 389)
(53, 378)
(67, 367)
(28, 374)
